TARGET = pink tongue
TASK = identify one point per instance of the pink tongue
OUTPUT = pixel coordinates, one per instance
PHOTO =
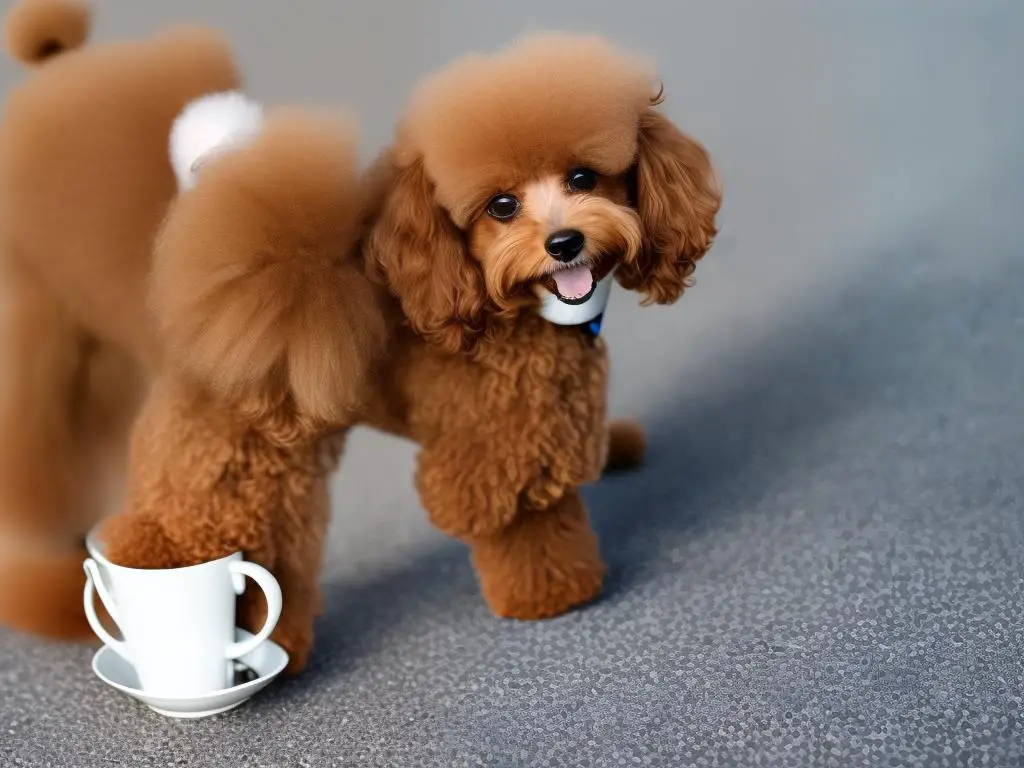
(575, 282)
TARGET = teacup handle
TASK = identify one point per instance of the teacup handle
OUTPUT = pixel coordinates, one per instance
(272, 590)
(94, 586)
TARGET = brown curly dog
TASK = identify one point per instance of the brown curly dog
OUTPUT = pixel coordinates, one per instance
(515, 181)
(479, 211)
(248, 361)
(518, 180)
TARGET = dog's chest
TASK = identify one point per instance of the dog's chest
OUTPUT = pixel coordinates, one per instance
(546, 388)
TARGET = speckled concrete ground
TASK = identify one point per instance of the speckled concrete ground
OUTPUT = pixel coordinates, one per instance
(821, 566)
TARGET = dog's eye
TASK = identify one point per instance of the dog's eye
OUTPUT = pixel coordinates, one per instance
(581, 180)
(503, 207)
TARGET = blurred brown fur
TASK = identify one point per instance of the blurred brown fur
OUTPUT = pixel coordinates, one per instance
(244, 373)
(77, 219)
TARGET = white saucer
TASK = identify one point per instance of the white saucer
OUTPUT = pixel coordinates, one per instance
(267, 661)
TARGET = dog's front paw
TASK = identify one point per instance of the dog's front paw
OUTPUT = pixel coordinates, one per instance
(298, 644)
(543, 565)
(294, 630)
(545, 592)
(139, 541)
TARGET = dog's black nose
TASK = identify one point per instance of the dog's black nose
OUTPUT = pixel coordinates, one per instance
(565, 245)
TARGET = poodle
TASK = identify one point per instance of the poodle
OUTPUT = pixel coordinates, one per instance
(519, 185)
(202, 387)
(493, 228)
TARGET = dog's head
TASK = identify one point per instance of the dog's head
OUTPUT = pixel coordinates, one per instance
(535, 172)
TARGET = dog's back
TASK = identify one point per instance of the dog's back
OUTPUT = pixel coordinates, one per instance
(85, 178)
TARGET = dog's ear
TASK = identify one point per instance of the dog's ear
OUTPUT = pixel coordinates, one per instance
(677, 197)
(421, 255)
(255, 287)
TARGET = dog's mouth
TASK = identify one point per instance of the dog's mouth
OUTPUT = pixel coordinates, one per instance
(576, 284)
(572, 286)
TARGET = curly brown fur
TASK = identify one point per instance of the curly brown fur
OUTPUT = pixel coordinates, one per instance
(255, 292)
(84, 184)
(509, 409)
(544, 562)
(206, 483)
(270, 328)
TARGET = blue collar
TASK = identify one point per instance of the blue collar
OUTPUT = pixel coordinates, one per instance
(592, 327)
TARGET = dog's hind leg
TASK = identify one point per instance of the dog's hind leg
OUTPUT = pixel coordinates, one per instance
(41, 355)
(300, 536)
(627, 446)
(111, 388)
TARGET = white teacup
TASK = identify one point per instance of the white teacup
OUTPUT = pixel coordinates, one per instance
(178, 624)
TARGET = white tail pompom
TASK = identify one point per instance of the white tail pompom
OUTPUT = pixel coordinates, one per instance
(208, 124)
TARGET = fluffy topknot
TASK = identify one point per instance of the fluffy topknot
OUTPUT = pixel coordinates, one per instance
(484, 123)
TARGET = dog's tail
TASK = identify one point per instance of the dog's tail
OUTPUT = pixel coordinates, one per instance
(38, 30)
(257, 287)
